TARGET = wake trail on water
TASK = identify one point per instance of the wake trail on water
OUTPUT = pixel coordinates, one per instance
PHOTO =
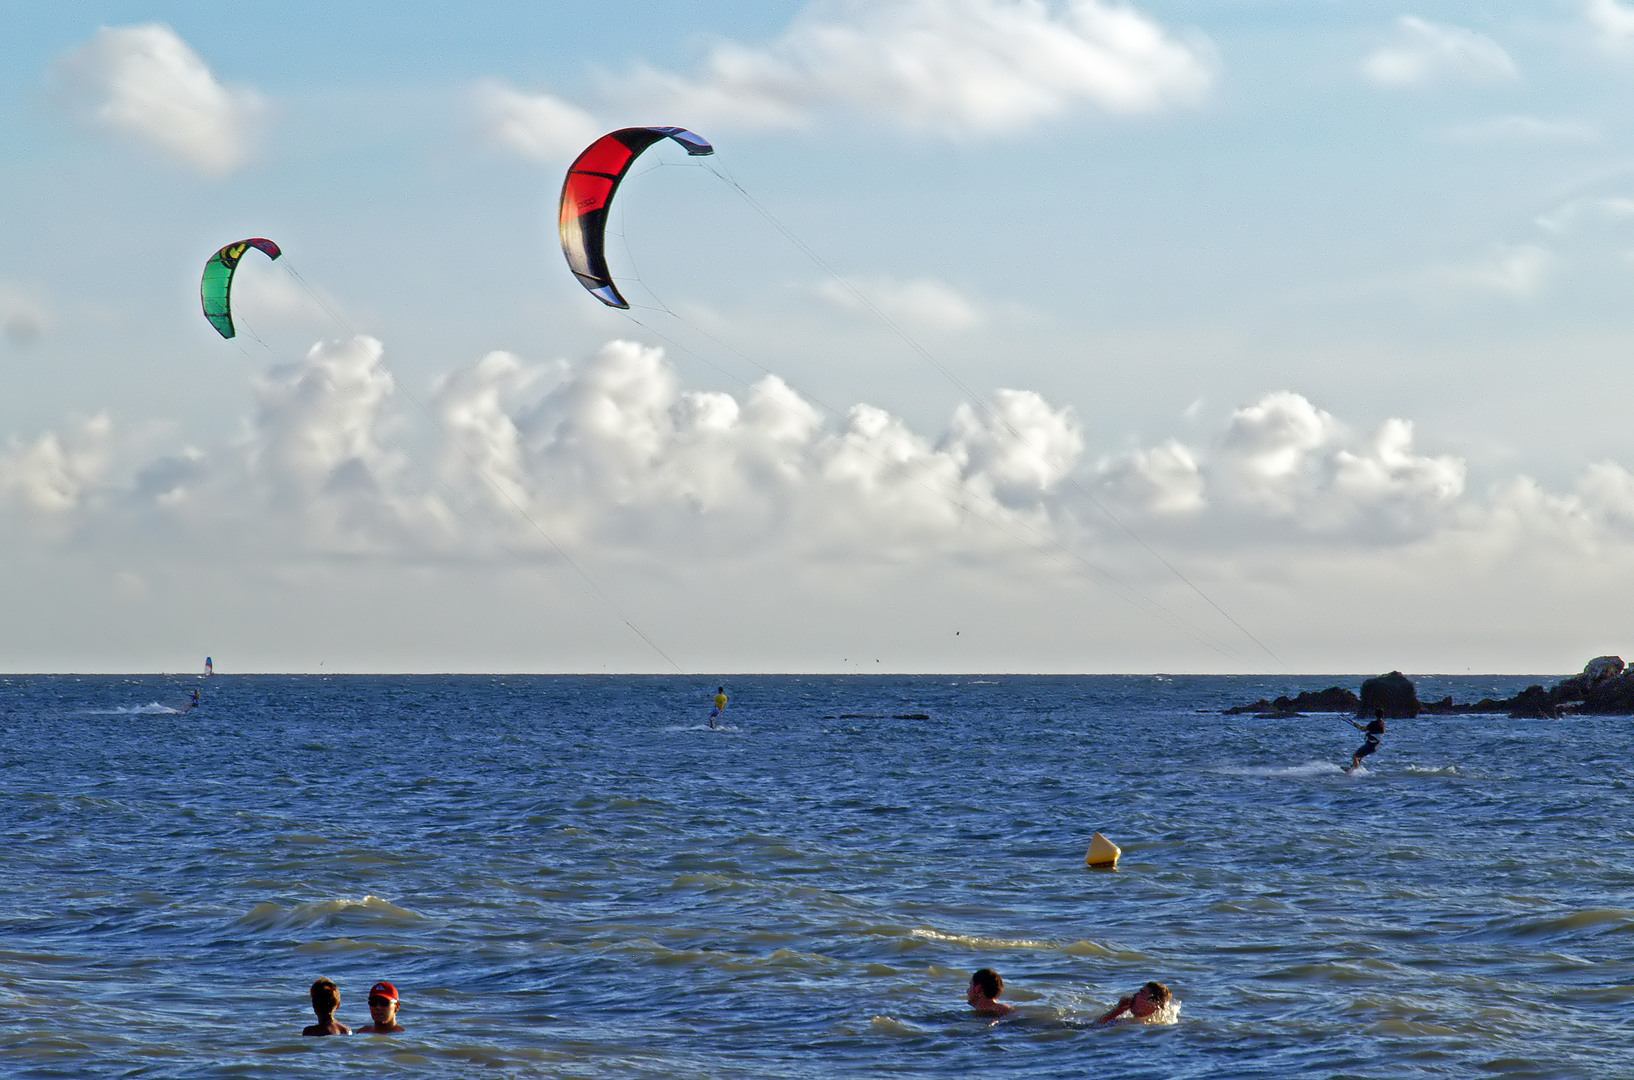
(1309, 768)
(152, 708)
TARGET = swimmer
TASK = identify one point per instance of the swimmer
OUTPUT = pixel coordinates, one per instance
(720, 704)
(1373, 730)
(985, 987)
(1140, 1006)
(325, 1000)
(383, 1004)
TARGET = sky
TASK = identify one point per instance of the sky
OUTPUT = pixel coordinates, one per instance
(1246, 336)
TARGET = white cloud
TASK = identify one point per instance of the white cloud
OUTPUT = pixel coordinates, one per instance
(23, 316)
(1570, 216)
(1518, 271)
(954, 67)
(540, 127)
(1613, 22)
(56, 474)
(1017, 448)
(1165, 480)
(923, 302)
(1284, 458)
(1525, 130)
(321, 454)
(1425, 52)
(146, 83)
(633, 474)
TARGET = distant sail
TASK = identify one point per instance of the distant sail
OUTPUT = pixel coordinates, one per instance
(209, 667)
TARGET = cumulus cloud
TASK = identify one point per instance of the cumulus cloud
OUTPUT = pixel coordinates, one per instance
(1166, 479)
(1425, 52)
(146, 83)
(1284, 466)
(616, 461)
(922, 302)
(540, 127)
(323, 453)
(953, 67)
(55, 474)
(614, 456)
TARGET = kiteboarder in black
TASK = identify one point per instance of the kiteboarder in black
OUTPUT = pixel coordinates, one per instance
(1373, 730)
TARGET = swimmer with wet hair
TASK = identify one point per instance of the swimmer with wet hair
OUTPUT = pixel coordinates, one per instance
(1142, 1005)
(985, 987)
(325, 1000)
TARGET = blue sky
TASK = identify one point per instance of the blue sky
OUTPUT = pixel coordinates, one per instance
(1064, 336)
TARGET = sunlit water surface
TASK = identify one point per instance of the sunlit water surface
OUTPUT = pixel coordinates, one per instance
(576, 877)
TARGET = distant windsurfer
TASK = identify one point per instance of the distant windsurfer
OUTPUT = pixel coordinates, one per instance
(1373, 730)
(720, 704)
(209, 667)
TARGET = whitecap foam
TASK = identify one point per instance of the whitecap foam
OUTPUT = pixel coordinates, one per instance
(1309, 768)
(925, 933)
(1434, 770)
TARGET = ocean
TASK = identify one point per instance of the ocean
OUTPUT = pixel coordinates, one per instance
(575, 876)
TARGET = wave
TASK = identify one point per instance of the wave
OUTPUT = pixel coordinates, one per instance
(981, 943)
(369, 911)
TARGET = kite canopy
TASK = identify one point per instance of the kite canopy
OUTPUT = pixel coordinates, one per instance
(588, 190)
(216, 286)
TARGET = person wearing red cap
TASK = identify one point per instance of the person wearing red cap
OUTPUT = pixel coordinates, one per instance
(383, 1002)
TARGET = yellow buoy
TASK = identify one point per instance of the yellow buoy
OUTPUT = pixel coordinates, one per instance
(1103, 853)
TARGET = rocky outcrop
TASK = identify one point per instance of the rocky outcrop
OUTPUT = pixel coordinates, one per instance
(1333, 699)
(1533, 703)
(1605, 687)
(1392, 694)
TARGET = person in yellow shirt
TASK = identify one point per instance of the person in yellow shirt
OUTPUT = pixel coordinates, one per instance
(720, 704)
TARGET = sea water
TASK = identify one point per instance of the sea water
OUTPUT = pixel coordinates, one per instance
(579, 877)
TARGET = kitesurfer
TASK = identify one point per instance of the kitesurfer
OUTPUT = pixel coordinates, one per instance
(325, 1000)
(1373, 730)
(192, 702)
(1140, 1006)
(985, 987)
(720, 704)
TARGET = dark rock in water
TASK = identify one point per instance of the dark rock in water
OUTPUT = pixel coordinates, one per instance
(1605, 687)
(1614, 697)
(1333, 699)
(1533, 704)
(1392, 694)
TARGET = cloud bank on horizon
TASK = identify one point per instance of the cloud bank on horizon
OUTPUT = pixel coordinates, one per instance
(611, 459)
(1296, 514)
